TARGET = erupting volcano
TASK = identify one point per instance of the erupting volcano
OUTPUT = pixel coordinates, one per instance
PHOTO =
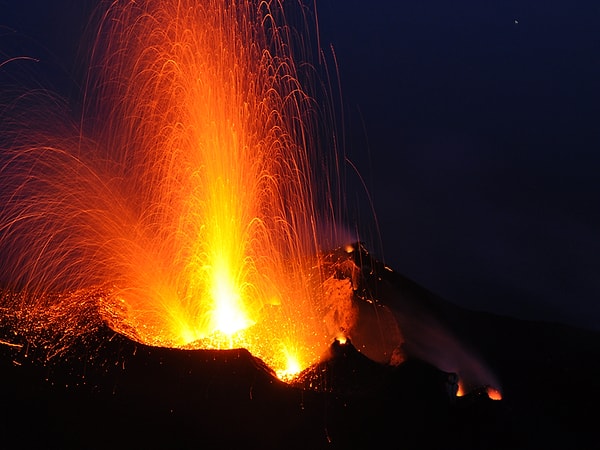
(187, 200)
(193, 204)
(175, 266)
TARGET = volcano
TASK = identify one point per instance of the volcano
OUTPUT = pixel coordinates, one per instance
(107, 391)
(169, 270)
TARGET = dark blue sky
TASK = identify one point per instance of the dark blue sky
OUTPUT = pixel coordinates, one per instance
(475, 125)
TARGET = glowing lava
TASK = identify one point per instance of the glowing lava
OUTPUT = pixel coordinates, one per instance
(493, 393)
(461, 389)
(191, 193)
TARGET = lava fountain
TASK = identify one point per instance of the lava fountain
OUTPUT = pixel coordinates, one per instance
(185, 203)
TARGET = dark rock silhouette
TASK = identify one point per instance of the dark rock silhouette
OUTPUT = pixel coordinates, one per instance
(111, 392)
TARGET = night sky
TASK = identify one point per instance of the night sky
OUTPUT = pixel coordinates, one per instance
(476, 127)
(474, 124)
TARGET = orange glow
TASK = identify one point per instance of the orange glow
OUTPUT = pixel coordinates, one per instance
(292, 367)
(190, 196)
(493, 394)
(461, 390)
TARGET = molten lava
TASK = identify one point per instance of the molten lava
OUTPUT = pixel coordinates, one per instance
(461, 389)
(190, 194)
(493, 393)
